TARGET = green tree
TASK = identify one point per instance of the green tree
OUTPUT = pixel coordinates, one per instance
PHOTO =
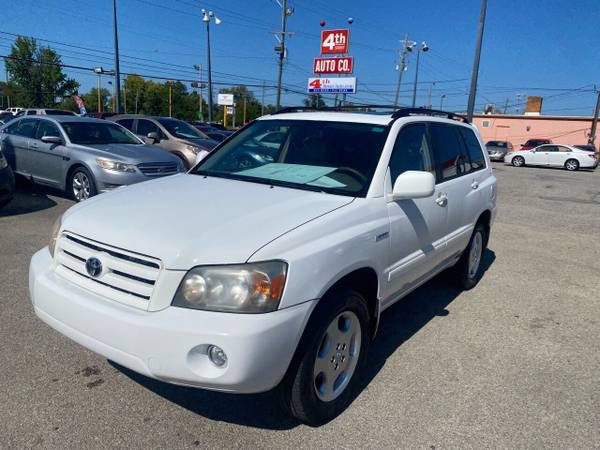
(37, 75)
(314, 101)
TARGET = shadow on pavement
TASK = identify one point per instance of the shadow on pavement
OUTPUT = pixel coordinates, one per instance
(398, 324)
(27, 198)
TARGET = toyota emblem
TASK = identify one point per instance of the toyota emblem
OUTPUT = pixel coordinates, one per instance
(93, 266)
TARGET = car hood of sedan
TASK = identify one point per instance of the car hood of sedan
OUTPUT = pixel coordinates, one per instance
(135, 153)
(189, 220)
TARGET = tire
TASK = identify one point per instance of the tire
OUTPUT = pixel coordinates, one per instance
(334, 344)
(518, 161)
(81, 185)
(468, 271)
(572, 164)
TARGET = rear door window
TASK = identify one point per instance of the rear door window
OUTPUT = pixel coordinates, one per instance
(474, 152)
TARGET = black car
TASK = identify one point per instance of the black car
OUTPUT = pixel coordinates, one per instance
(7, 181)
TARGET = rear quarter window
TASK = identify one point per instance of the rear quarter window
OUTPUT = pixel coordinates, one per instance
(473, 148)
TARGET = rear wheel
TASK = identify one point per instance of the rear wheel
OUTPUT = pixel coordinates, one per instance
(320, 382)
(572, 164)
(468, 269)
(518, 161)
(81, 184)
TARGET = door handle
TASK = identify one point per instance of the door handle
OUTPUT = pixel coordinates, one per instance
(474, 184)
(442, 199)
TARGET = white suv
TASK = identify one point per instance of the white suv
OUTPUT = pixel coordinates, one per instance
(272, 270)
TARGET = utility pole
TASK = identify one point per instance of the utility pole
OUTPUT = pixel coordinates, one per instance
(592, 137)
(125, 95)
(198, 67)
(422, 48)
(505, 106)
(475, 74)
(402, 66)
(117, 72)
(280, 48)
(443, 96)
(170, 83)
(429, 95)
(262, 102)
(245, 104)
(99, 95)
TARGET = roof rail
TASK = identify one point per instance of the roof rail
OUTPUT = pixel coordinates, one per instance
(396, 114)
(405, 112)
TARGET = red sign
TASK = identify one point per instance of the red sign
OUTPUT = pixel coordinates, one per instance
(335, 41)
(333, 65)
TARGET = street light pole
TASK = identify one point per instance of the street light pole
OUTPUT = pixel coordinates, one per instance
(206, 17)
(422, 48)
(442, 102)
(117, 73)
(474, 75)
(99, 95)
(592, 137)
(284, 14)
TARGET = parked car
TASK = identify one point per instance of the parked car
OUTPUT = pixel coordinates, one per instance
(81, 156)
(7, 181)
(44, 112)
(215, 134)
(497, 150)
(174, 135)
(553, 155)
(274, 275)
(532, 143)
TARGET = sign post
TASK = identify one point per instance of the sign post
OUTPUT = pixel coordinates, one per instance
(225, 100)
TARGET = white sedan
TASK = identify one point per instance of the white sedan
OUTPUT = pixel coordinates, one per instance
(553, 155)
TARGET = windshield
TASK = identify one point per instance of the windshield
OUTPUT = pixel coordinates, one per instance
(496, 144)
(181, 129)
(335, 157)
(90, 133)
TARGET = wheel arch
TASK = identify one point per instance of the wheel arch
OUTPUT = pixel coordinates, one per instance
(74, 166)
(485, 218)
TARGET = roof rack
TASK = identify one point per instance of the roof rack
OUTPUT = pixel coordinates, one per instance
(396, 114)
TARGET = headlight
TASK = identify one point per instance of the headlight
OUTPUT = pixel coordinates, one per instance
(240, 288)
(3, 162)
(193, 148)
(54, 234)
(116, 166)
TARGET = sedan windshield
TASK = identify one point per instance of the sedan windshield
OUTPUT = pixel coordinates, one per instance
(335, 157)
(97, 133)
(181, 129)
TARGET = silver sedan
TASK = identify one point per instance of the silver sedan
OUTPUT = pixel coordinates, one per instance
(81, 156)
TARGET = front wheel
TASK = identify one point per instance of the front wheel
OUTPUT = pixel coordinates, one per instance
(322, 377)
(518, 161)
(82, 184)
(572, 164)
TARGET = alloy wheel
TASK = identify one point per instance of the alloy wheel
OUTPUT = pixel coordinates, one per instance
(81, 186)
(475, 254)
(337, 357)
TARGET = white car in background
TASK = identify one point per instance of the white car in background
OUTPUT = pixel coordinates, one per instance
(553, 155)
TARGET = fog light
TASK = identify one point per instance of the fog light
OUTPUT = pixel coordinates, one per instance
(217, 356)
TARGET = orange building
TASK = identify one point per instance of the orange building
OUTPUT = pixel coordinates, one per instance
(518, 129)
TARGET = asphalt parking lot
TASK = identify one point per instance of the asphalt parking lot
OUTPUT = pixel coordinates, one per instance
(513, 363)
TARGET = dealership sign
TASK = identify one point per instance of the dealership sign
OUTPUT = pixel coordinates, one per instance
(225, 99)
(333, 65)
(345, 85)
(335, 41)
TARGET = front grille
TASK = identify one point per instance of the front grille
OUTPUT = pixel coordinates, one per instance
(158, 169)
(126, 277)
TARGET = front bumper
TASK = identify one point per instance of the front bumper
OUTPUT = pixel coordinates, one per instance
(171, 344)
(496, 156)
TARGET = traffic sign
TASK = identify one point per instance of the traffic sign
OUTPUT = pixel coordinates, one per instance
(343, 85)
(333, 65)
(225, 99)
(335, 41)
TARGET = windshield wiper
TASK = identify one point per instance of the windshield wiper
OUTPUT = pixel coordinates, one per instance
(269, 181)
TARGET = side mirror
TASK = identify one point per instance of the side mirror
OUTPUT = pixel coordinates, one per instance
(413, 184)
(154, 136)
(201, 155)
(52, 140)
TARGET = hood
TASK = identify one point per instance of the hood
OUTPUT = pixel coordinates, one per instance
(189, 220)
(130, 153)
(207, 144)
